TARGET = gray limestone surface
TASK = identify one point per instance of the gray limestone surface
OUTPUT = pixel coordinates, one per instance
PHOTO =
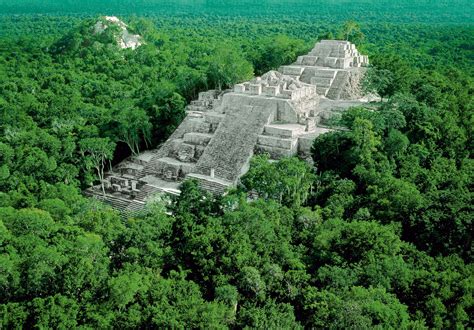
(278, 113)
(334, 66)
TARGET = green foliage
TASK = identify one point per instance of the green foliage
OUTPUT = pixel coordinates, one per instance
(132, 126)
(96, 152)
(352, 242)
(227, 67)
(377, 234)
(395, 157)
(356, 309)
(378, 81)
(288, 181)
(404, 11)
(351, 32)
(273, 52)
(268, 316)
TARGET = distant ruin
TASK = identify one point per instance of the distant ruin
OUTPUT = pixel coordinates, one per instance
(278, 113)
(125, 39)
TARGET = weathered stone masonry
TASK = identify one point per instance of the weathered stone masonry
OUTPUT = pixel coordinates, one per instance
(277, 113)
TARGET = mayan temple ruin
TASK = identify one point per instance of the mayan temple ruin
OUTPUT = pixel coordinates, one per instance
(279, 113)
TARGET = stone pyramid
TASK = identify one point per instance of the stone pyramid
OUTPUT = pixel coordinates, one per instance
(277, 113)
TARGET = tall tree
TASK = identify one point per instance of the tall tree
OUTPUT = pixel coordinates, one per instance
(227, 66)
(133, 126)
(96, 153)
(288, 181)
(351, 31)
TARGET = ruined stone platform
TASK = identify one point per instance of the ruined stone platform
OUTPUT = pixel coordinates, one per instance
(335, 67)
(279, 113)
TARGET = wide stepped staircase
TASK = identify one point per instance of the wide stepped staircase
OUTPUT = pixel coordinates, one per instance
(179, 157)
(233, 144)
(115, 202)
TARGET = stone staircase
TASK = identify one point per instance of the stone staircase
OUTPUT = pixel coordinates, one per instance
(146, 191)
(337, 85)
(292, 71)
(280, 141)
(197, 105)
(197, 138)
(116, 202)
(134, 208)
(206, 102)
(197, 124)
(179, 155)
(170, 168)
(322, 78)
(233, 142)
(307, 60)
(213, 185)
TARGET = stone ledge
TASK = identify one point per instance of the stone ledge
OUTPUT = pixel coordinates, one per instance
(272, 141)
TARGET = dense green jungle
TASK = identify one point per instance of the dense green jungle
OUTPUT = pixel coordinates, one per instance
(377, 234)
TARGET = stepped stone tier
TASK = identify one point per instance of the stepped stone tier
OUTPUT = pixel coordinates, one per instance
(278, 113)
(335, 67)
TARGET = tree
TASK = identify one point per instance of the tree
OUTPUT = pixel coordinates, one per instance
(391, 74)
(96, 152)
(6, 157)
(13, 314)
(228, 295)
(276, 51)
(338, 242)
(56, 311)
(165, 108)
(227, 67)
(133, 126)
(251, 283)
(351, 31)
(366, 142)
(270, 315)
(379, 81)
(178, 303)
(334, 151)
(288, 181)
(356, 308)
(124, 288)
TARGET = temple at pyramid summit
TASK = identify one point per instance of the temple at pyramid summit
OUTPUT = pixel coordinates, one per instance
(279, 113)
(333, 66)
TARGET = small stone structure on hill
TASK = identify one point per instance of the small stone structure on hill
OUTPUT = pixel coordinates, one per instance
(125, 39)
(278, 113)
